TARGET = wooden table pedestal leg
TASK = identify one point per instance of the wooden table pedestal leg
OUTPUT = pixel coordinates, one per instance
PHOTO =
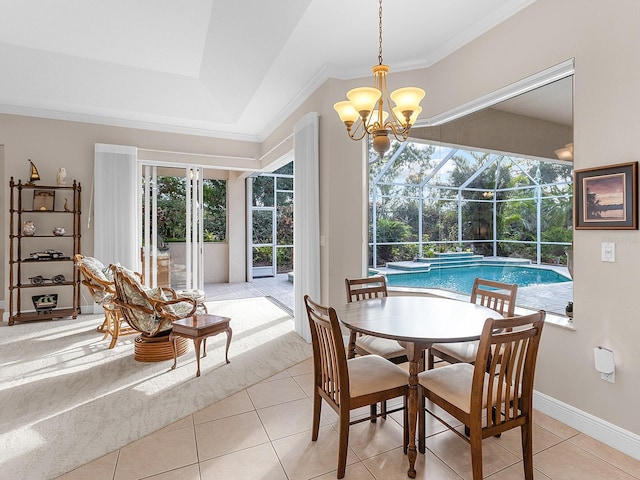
(414, 352)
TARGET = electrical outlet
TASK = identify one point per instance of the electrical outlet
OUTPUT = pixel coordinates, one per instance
(609, 377)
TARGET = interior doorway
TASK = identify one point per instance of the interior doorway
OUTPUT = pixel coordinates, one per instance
(271, 223)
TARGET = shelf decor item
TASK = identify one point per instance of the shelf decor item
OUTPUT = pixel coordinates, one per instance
(48, 254)
(45, 303)
(33, 174)
(59, 231)
(28, 228)
(39, 279)
(61, 176)
(43, 200)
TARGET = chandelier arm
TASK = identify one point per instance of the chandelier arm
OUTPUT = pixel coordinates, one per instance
(385, 99)
(400, 134)
(355, 134)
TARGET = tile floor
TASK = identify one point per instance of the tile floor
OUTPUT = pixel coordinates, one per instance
(263, 433)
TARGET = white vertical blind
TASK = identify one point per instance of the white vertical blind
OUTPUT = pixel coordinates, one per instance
(306, 219)
(114, 205)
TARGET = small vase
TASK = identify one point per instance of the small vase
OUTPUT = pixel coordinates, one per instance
(28, 228)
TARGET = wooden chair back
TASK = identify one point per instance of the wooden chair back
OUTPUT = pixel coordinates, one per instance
(364, 288)
(505, 388)
(331, 375)
(373, 379)
(497, 296)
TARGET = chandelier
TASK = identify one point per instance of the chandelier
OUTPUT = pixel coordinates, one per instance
(366, 107)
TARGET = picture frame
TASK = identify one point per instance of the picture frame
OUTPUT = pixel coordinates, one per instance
(43, 200)
(606, 198)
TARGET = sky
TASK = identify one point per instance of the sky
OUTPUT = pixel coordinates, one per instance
(608, 188)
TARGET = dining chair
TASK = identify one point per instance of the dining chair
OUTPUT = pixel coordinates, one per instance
(498, 296)
(366, 288)
(501, 396)
(363, 289)
(347, 384)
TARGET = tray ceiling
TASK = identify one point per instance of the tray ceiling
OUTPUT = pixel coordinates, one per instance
(232, 69)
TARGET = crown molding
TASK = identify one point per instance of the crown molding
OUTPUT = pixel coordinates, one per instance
(158, 125)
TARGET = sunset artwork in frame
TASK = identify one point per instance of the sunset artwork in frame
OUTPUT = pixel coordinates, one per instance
(606, 197)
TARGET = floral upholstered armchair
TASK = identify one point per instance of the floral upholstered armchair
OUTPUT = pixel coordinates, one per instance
(99, 281)
(150, 311)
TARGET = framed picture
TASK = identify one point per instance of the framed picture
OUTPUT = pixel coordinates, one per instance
(43, 199)
(606, 197)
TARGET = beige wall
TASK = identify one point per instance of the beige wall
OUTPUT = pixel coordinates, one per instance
(52, 144)
(602, 39)
(492, 129)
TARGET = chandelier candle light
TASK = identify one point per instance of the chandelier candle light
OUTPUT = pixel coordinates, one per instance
(366, 107)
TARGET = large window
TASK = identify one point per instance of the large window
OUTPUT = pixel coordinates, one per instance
(432, 198)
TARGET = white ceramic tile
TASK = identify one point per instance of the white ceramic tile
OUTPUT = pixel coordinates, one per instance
(567, 461)
(232, 405)
(456, 453)
(100, 469)
(272, 393)
(258, 462)
(303, 459)
(157, 453)
(608, 454)
(288, 418)
(393, 465)
(229, 434)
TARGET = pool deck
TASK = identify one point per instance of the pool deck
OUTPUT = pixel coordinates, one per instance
(552, 297)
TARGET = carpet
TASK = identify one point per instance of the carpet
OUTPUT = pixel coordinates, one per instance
(67, 399)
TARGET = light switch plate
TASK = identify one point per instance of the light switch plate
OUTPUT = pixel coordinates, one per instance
(608, 252)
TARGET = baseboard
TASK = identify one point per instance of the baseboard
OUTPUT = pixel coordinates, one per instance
(623, 440)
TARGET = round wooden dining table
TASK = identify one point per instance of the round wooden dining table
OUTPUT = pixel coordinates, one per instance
(417, 322)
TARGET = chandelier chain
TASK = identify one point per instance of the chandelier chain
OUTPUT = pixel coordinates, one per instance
(380, 33)
(369, 111)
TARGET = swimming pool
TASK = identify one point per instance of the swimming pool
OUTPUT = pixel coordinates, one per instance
(460, 279)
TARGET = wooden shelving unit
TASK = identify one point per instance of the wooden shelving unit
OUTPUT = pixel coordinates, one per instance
(63, 211)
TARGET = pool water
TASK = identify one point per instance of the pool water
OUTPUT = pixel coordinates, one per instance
(460, 279)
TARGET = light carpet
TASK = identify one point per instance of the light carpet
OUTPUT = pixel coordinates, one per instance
(66, 399)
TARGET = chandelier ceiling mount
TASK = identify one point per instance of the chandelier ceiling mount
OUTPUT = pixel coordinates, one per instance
(365, 107)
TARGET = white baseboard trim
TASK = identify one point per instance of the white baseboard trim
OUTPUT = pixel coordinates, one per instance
(623, 440)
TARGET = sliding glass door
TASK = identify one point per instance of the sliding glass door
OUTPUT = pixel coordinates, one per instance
(171, 226)
(271, 222)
